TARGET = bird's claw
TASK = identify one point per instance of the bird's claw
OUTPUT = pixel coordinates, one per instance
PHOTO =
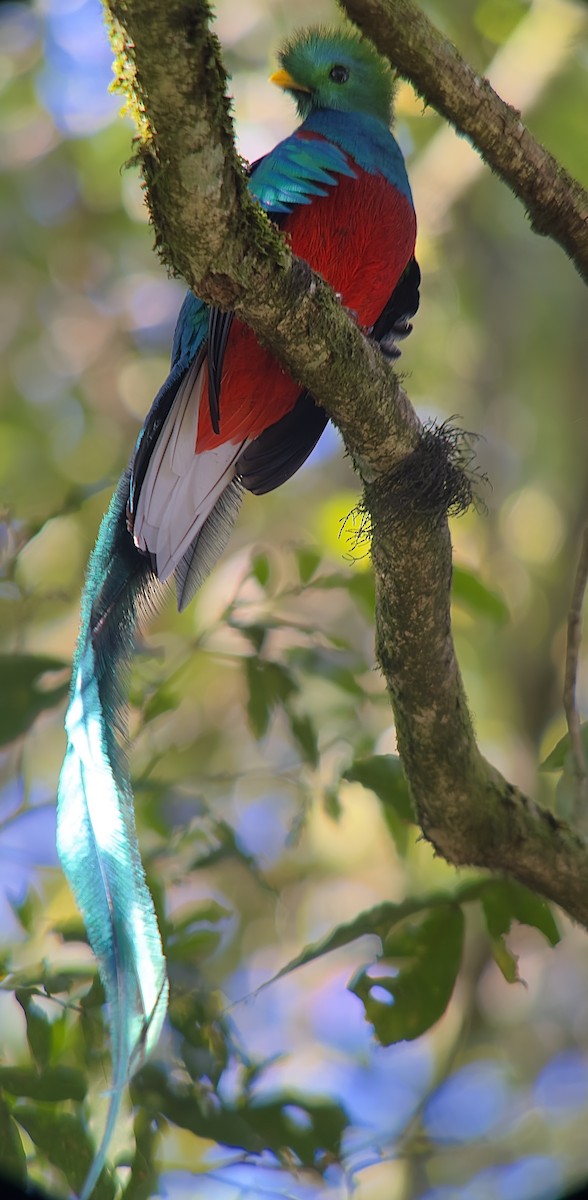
(388, 343)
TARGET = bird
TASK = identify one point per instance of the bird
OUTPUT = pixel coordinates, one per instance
(227, 419)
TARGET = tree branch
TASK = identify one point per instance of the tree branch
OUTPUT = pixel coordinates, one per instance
(556, 203)
(573, 646)
(209, 230)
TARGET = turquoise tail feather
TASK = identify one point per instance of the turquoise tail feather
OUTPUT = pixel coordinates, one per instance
(96, 835)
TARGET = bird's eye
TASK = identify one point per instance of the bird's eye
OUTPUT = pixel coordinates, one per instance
(339, 74)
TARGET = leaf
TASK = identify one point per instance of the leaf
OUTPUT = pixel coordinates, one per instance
(323, 664)
(64, 1141)
(254, 632)
(505, 960)
(55, 982)
(469, 591)
(504, 901)
(255, 1127)
(161, 701)
(378, 921)
(95, 997)
(53, 1083)
(498, 21)
(26, 910)
(261, 569)
(92, 1026)
(383, 774)
(14, 1163)
(330, 583)
(557, 759)
(195, 1016)
(38, 976)
(568, 799)
(305, 735)
(426, 953)
(22, 694)
(308, 559)
(374, 921)
(360, 585)
(309, 1128)
(39, 1028)
(268, 684)
(332, 803)
(205, 910)
(72, 929)
(144, 1178)
(193, 947)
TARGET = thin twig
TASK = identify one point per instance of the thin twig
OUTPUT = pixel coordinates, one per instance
(573, 645)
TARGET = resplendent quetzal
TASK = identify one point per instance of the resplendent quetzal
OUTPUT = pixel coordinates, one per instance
(228, 417)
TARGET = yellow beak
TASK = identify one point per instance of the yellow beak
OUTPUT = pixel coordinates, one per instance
(284, 80)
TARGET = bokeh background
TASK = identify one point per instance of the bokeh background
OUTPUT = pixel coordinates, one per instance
(255, 843)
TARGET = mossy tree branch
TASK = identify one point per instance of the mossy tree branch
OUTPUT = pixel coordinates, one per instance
(556, 203)
(209, 230)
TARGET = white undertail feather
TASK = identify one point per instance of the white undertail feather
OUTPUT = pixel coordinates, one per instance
(181, 487)
(208, 545)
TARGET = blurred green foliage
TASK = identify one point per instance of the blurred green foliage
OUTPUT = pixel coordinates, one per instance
(403, 1056)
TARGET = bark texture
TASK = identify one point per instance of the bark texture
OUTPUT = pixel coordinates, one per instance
(209, 230)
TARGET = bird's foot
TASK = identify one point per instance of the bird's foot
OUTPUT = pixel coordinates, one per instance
(388, 343)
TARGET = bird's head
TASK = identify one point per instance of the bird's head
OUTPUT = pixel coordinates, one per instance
(337, 69)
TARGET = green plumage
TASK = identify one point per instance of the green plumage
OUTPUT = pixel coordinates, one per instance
(96, 836)
(310, 57)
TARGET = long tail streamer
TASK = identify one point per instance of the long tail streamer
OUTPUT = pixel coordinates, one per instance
(96, 835)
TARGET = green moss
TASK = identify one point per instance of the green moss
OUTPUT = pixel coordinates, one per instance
(125, 75)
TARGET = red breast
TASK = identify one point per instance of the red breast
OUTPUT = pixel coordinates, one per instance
(359, 237)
